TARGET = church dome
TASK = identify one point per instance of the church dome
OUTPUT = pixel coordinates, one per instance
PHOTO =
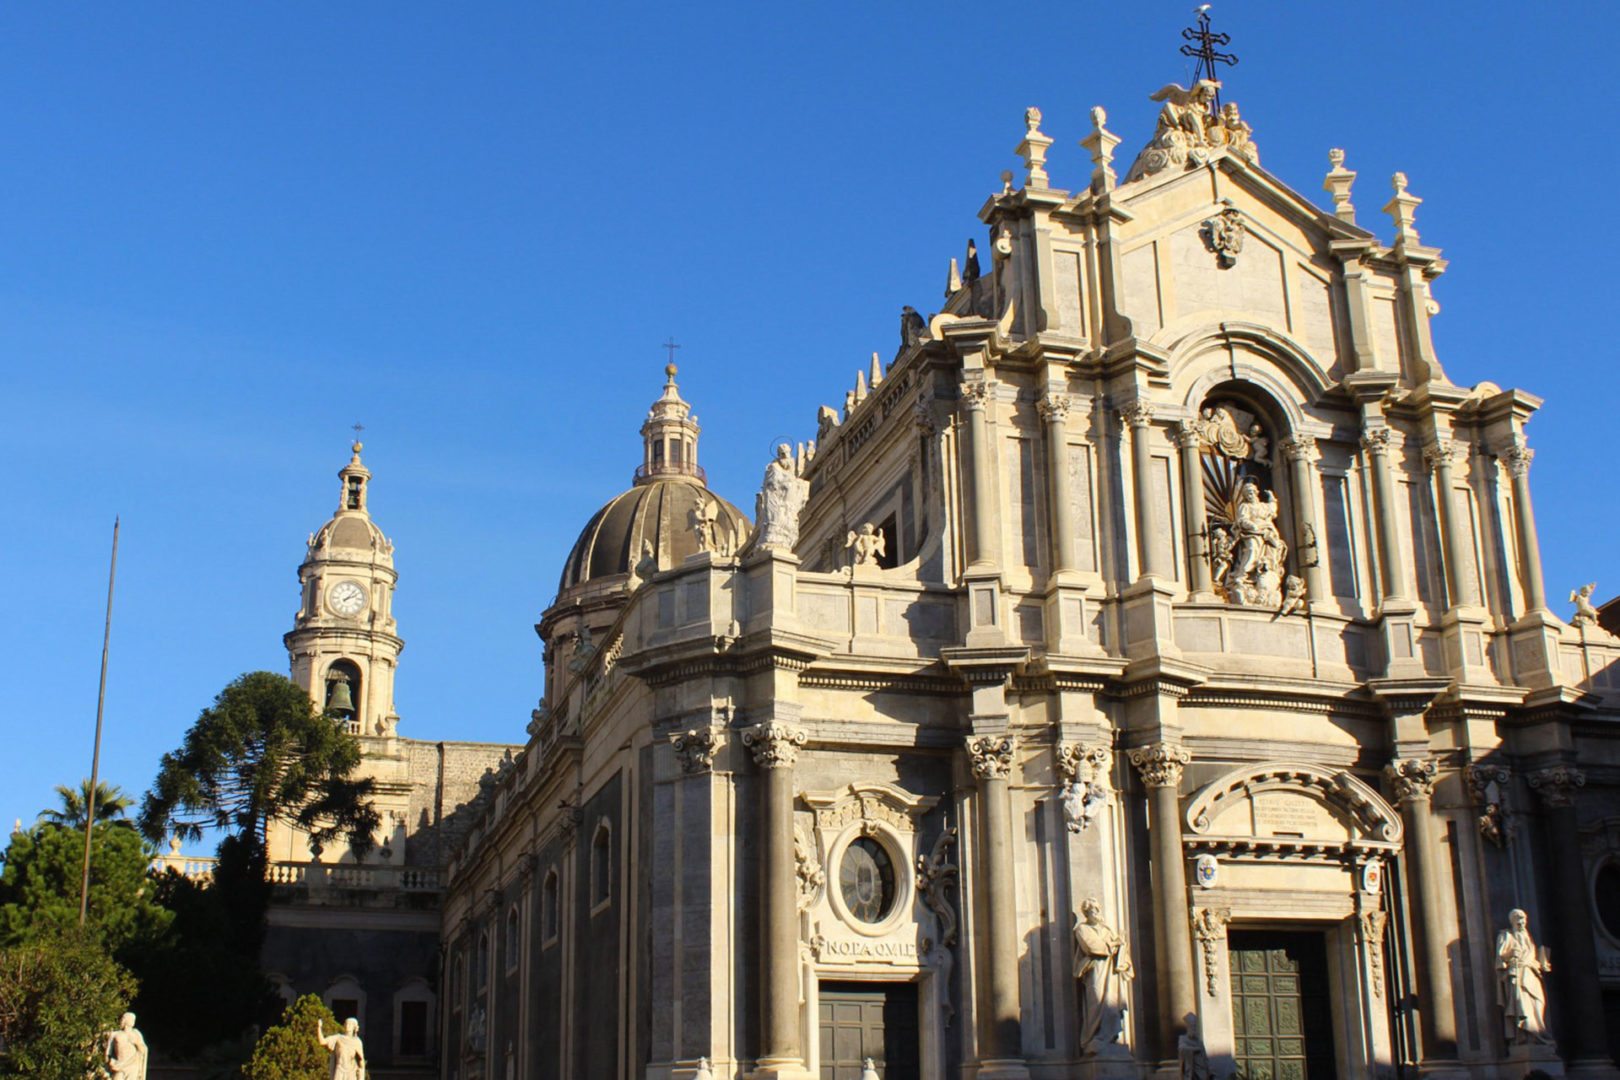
(669, 506)
(351, 528)
(664, 513)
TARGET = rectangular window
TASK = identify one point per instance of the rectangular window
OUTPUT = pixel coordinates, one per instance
(344, 1008)
(413, 1028)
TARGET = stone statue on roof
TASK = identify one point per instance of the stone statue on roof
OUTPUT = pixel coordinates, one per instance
(1190, 130)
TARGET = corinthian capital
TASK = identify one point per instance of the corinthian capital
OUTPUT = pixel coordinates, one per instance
(1517, 457)
(1557, 786)
(1375, 441)
(975, 392)
(1136, 413)
(696, 748)
(775, 744)
(1187, 434)
(1441, 452)
(1054, 408)
(1411, 778)
(1161, 763)
(1299, 448)
(991, 756)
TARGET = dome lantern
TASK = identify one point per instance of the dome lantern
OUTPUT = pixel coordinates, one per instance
(669, 437)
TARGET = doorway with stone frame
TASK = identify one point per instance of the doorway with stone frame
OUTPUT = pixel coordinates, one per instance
(1282, 1010)
(877, 1020)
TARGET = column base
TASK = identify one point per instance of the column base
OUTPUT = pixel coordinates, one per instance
(1593, 1068)
(1398, 631)
(1462, 632)
(1149, 614)
(987, 615)
(781, 1068)
(1535, 1056)
(1003, 1069)
(1109, 1067)
(1067, 618)
(1444, 1070)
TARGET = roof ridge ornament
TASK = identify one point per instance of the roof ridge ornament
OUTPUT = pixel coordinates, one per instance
(1194, 125)
(1033, 150)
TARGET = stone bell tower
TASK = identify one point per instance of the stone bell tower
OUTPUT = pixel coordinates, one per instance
(343, 646)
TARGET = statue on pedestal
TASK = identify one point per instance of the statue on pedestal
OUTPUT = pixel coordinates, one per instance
(126, 1050)
(348, 1053)
(1190, 1052)
(781, 496)
(1520, 966)
(1102, 963)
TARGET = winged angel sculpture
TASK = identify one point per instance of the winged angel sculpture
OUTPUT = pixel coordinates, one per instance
(1190, 130)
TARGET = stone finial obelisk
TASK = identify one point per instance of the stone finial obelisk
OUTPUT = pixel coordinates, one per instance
(1337, 184)
(1100, 145)
(1033, 149)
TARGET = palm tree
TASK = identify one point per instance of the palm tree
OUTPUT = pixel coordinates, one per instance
(111, 802)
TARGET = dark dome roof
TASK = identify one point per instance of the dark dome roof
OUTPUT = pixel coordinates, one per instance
(658, 510)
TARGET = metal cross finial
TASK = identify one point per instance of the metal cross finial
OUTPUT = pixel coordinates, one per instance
(358, 428)
(1205, 52)
(671, 346)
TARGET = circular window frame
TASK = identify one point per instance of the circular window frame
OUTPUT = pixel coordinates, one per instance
(1609, 859)
(895, 846)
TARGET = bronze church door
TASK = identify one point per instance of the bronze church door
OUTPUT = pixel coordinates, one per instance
(1282, 1015)
(869, 1020)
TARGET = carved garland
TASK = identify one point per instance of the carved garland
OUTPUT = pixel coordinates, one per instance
(1372, 937)
(1209, 927)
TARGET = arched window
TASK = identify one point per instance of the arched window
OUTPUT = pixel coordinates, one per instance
(413, 1019)
(601, 867)
(343, 693)
(346, 999)
(513, 936)
(550, 909)
(481, 963)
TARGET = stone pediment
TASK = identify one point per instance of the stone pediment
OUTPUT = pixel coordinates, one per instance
(867, 804)
(1287, 805)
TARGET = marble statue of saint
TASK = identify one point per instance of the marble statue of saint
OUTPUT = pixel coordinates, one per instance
(348, 1053)
(781, 496)
(1519, 970)
(1102, 963)
(126, 1050)
(1258, 549)
(1190, 1052)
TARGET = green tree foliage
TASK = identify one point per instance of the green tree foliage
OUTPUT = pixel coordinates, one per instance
(58, 994)
(111, 802)
(290, 1050)
(201, 986)
(260, 753)
(39, 887)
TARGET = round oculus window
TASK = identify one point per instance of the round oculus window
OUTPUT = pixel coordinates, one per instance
(866, 880)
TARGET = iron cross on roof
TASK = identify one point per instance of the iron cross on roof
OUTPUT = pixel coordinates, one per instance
(1205, 52)
(671, 346)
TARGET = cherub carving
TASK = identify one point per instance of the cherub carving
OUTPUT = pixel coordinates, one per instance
(1582, 599)
(868, 545)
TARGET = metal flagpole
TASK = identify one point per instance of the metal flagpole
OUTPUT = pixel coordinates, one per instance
(95, 759)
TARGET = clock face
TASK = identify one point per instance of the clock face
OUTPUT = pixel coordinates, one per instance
(346, 598)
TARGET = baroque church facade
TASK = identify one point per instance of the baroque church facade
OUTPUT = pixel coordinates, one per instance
(1148, 671)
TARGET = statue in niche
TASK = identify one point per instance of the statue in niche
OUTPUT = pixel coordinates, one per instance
(1520, 966)
(1247, 552)
(1190, 1052)
(781, 496)
(1102, 963)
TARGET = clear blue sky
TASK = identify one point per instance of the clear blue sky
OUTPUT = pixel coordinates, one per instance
(231, 231)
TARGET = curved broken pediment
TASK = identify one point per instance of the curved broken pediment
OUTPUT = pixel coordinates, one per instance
(1287, 802)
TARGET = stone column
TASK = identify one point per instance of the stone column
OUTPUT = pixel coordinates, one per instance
(1138, 415)
(1300, 450)
(1460, 589)
(1197, 513)
(1578, 1012)
(1054, 409)
(1001, 1039)
(1391, 556)
(1412, 780)
(1517, 457)
(981, 536)
(1160, 766)
(775, 746)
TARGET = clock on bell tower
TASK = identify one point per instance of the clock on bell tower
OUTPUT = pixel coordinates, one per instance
(343, 645)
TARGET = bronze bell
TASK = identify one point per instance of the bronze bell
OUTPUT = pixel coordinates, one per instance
(339, 702)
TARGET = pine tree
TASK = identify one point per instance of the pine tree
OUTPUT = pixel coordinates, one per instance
(290, 1050)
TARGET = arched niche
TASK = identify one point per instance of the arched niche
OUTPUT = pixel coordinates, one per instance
(1251, 353)
(1289, 806)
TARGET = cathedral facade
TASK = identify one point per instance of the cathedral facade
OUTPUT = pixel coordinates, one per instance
(1147, 671)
